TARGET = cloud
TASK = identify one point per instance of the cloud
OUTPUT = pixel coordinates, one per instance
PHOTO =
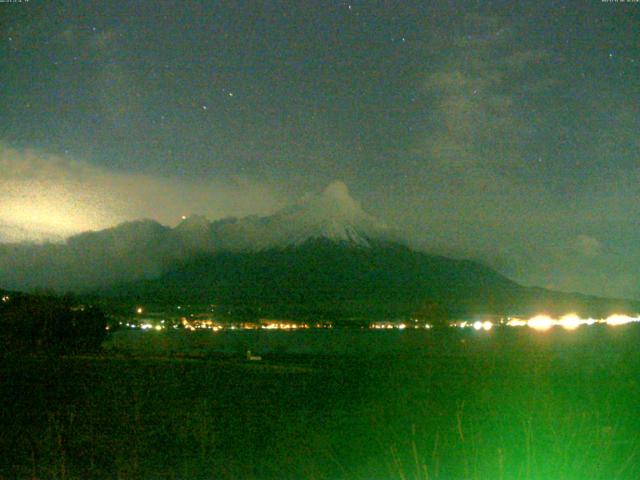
(335, 201)
(474, 183)
(587, 246)
(471, 153)
(145, 249)
(476, 122)
(53, 196)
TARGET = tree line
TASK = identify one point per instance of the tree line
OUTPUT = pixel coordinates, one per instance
(48, 324)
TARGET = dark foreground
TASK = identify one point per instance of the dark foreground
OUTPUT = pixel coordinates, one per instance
(469, 405)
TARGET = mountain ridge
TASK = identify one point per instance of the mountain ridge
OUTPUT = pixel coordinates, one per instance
(144, 249)
(324, 278)
(323, 253)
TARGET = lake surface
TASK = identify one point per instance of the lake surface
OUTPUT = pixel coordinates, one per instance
(600, 340)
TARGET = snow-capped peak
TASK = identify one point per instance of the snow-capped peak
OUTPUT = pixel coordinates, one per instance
(333, 215)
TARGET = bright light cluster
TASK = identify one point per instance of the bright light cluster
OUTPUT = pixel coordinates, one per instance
(621, 319)
(264, 324)
(200, 325)
(284, 326)
(390, 325)
(193, 324)
(540, 322)
(150, 326)
(571, 321)
(486, 325)
(516, 322)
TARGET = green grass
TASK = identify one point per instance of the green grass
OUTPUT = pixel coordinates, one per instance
(546, 409)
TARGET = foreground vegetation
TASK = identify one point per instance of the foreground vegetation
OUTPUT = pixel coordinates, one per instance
(507, 407)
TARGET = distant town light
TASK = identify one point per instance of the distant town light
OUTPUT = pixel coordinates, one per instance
(516, 322)
(541, 322)
(617, 319)
(570, 321)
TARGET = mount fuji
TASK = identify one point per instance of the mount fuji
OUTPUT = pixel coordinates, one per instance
(332, 215)
(322, 256)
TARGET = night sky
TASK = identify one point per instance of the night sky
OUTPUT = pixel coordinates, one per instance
(502, 131)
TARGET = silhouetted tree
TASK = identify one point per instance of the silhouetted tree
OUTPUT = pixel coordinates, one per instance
(89, 326)
(46, 324)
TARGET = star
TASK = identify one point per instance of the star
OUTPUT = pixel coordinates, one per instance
(204, 107)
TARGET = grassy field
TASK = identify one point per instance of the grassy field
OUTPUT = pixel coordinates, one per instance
(504, 405)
